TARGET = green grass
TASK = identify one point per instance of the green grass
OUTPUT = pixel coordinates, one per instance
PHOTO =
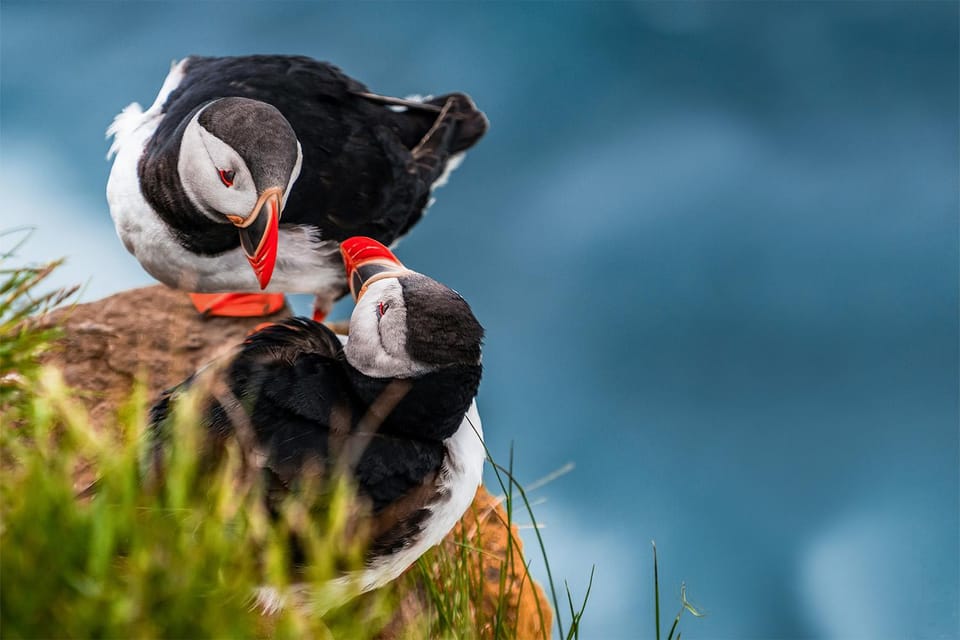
(684, 603)
(457, 576)
(25, 337)
(177, 556)
(180, 556)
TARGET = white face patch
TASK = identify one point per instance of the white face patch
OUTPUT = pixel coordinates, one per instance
(202, 157)
(378, 334)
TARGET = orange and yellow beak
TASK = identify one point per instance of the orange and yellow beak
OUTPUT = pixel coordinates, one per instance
(367, 261)
(259, 233)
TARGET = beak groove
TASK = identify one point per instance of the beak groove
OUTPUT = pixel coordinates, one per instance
(367, 261)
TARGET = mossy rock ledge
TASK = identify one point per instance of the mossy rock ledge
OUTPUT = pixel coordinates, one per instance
(154, 334)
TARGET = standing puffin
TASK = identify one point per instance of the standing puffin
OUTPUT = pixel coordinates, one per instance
(394, 406)
(272, 161)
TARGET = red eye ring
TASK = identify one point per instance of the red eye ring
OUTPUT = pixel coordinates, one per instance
(226, 177)
(381, 309)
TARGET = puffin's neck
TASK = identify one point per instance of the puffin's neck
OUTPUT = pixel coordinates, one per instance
(162, 189)
(433, 405)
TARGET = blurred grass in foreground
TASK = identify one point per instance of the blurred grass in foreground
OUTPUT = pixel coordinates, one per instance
(135, 556)
(179, 557)
(182, 557)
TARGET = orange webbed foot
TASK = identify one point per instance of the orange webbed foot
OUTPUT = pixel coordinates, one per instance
(237, 305)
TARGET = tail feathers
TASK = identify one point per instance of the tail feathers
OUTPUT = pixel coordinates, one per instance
(122, 125)
(470, 123)
(419, 116)
(457, 127)
(314, 599)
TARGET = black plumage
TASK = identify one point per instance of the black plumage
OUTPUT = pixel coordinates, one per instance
(391, 410)
(367, 169)
(308, 406)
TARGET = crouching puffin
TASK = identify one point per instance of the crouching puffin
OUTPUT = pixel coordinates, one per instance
(393, 405)
(246, 173)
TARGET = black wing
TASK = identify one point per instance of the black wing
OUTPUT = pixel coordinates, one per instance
(368, 169)
(286, 394)
(286, 387)
(275, 395)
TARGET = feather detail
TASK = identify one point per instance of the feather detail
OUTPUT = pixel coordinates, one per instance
(133, 115)
(122, 125)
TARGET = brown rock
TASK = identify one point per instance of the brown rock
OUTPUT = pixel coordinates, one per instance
(154, 335)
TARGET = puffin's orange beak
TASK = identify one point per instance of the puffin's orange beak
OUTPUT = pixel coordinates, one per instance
(259, 233)
(367, 261)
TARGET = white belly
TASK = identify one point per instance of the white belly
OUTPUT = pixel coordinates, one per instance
(460, 475)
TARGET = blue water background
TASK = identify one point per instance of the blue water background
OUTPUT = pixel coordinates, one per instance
(715, 248)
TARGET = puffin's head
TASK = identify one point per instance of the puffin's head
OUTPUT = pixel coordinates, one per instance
(404, 324)
(238, 161)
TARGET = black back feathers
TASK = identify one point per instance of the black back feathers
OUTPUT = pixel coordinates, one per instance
(292, 383)
(367, 169)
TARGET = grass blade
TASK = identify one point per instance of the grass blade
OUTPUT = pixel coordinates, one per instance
(656, 588)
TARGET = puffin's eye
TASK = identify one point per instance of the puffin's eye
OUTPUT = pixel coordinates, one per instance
(382, 309)
(226, 177)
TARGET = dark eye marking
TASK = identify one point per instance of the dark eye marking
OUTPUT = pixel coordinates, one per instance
(226, 177)
(382, 309)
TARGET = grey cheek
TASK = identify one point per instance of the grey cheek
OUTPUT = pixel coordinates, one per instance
(363, 345)
(358, 353)
(393, 333)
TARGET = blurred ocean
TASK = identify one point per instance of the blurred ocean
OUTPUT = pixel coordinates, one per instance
(715, 248)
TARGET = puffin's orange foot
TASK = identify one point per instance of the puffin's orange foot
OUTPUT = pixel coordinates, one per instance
(237, 305)
(319, 315)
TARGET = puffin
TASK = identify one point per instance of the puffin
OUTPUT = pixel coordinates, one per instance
(392, 405)
(246, 173)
